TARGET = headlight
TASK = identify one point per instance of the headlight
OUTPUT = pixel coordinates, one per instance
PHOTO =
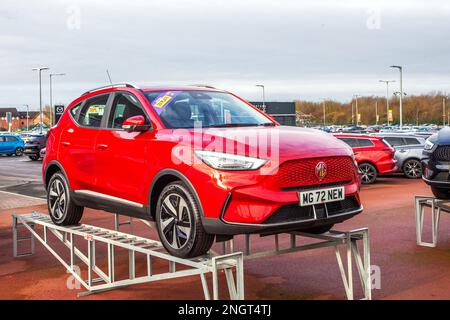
(227, 161)
(428, 145)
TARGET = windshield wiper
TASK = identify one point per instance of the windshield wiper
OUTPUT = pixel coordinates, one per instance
(229, 125)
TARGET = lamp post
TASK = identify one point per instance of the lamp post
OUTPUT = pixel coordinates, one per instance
(376, 112)
(443, 109)
(40, 95)
(324, 113)
(387, 97)
(400, 69)
(263, 96)
(356, 108)
(51, 95)
(28, 111)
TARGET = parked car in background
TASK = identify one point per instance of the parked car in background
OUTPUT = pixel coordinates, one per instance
(436, 163)
(373, 155)
(408, 152)
(33, 146)
(42, 153)
(11, 144)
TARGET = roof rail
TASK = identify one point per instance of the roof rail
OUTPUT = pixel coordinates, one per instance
(203, 86)
(113, 85)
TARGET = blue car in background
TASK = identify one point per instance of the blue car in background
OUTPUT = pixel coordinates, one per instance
(11, 144)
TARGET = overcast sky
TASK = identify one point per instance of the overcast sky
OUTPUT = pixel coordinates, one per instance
(298, 49)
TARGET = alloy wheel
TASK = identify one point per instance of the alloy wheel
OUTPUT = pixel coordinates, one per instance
(57, 199)
(368, 173)
(176, 222)
(413, 169)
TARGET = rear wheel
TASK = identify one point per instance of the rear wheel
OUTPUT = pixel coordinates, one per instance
(368, 173)
(19, 152)
(319, 230)
(443, 194)
(412, 169)
(62, 209)
(178, 222)
(34, 158)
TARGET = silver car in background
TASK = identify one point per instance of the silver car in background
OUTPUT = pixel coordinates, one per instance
(408, 152)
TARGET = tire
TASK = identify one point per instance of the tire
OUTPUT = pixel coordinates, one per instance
(369, 173)
(62, 210)
(318, 230)
(19, 152)
(412, 169)
(179, 223)
(34, 158)
(443, 194)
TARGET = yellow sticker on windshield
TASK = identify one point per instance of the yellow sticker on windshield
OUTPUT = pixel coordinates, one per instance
(163, 100)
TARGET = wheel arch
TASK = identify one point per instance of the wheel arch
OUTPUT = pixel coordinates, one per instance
(161, 179)
(53, 167)
(369, 162)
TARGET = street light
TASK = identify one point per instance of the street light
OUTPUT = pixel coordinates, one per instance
(376, 111)
(324, 114)
(263, 96)
(443, 108)
(28, 111)
(400, 69)
(40, 94)
(387, 97)
(356, 108)
(51, 96)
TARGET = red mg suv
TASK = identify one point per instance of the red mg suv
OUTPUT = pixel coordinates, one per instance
(373, 155)
(201, 162)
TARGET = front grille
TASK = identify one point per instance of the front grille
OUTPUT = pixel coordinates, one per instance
(318, 186)
(302, 172)
(441, 154)
(293, 212)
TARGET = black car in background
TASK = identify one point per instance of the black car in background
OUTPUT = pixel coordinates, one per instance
(436, 163)
(34, 145)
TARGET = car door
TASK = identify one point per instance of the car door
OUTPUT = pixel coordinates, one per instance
(10, 144)
(77, 147)
(123, 157)
(2, 144)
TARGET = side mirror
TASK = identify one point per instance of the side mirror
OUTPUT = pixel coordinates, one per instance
(135, 124)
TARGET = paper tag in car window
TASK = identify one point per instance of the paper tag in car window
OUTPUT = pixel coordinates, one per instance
(163, 100)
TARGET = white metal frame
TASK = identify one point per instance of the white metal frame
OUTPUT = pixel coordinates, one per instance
(348, 240)
(436, 206)
(107, 280)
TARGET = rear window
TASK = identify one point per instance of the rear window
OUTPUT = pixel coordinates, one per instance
(351, 142)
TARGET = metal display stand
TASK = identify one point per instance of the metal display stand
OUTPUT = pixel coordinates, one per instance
(436, 206)
(230, 261)
(348, 240)
(70, 236)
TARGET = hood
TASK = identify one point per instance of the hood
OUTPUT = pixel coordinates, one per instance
(281, 142)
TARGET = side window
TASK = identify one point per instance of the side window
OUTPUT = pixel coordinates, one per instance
(395, 141)
(2, 139)
(74, 110)
(411, 141)
(351, 142)
(10, 139)
(365, 143)
(124, 106)
(91, 114)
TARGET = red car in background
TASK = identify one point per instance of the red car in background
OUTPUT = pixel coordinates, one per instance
(373, 155)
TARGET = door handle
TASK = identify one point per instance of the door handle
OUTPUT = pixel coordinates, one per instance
(102, 146)
(65, 143)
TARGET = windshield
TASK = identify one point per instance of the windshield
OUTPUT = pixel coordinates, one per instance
(186, 109)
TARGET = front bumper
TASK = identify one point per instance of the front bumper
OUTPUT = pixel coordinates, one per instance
(32, 150)
(436, 174)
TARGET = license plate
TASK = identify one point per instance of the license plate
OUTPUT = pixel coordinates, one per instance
(308, 198)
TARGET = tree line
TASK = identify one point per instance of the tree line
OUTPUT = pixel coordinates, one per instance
(417, 109)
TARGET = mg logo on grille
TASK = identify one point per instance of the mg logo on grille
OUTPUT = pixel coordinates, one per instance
(321, 170)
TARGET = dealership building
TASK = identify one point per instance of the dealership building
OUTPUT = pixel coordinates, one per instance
(283, 112)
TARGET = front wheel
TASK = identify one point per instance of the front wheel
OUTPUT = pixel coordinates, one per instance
(412, 169)
(178, 222)
(63, 211)
(19, 152)
(368, 173)
(441, 193)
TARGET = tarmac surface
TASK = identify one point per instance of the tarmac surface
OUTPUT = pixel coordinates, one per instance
(407, 270)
